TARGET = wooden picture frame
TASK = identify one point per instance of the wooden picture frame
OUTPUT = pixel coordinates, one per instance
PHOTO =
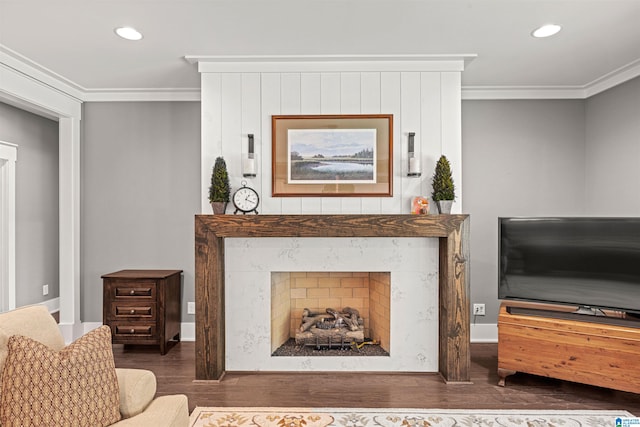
(332, 155)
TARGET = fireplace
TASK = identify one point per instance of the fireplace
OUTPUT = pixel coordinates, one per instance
(228, 269)
(327, 310)
(408, 265)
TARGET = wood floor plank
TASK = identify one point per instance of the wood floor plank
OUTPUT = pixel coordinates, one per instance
(175, 373)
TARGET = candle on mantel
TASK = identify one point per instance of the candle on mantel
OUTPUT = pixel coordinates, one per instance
(249, 167)
(414, 165)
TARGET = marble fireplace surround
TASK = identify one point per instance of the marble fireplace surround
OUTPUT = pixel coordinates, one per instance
(453, 307)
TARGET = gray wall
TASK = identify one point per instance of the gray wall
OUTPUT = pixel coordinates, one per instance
(140, 192)
(613, 151)
(36, 202)
(520, 158)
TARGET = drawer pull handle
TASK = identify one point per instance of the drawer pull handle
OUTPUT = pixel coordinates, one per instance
(133, 312)
(133, 331)
(133, 292)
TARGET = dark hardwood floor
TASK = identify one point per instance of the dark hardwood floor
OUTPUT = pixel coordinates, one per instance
(175, 373)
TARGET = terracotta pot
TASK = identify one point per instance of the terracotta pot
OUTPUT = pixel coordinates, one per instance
(219, 208)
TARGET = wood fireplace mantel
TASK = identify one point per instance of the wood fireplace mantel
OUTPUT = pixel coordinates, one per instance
(452, 231)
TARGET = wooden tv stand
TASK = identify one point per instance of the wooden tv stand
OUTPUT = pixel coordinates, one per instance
(550, 341)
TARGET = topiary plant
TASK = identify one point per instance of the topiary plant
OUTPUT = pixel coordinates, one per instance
(443, 188)
(219, 191)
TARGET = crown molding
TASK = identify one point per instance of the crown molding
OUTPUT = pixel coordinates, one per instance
(614, 78)
(28, 88)
(11, 59)
(136, 95)
(18, 66)
(609, 80)
(521, 92)
(329, 63)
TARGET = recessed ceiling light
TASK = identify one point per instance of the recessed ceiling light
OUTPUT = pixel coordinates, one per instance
(546, 30)
(128, 33)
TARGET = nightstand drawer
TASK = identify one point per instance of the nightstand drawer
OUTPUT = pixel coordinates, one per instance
(134, 290)
(121, 330)
(121, 310)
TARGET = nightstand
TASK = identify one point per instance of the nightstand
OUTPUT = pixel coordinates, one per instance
(143, 306)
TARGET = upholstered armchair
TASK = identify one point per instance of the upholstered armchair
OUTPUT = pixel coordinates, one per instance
(133, 390)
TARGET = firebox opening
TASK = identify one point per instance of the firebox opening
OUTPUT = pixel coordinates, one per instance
(330, 313)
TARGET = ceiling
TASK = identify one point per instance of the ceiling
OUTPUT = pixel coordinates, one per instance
(74, 39)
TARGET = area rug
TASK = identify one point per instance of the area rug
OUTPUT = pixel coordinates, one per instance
(349, 417)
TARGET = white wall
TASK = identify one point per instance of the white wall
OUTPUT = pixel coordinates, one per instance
(235, 104)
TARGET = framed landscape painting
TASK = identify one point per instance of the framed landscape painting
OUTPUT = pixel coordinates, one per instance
(332, 155)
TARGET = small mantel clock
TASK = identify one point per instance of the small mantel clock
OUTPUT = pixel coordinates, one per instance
(246, 199)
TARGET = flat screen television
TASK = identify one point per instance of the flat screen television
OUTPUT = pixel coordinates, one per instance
(590, 263)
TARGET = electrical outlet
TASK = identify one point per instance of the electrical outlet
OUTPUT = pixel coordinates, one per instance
(191, 308)
(478, 309)
(45, 290)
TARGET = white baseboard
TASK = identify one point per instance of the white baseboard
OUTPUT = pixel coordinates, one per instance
(480, 332)
(188, 331)
(52, 305)
(90, 326)
(484, 333)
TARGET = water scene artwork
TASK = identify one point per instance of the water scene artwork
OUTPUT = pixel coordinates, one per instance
(323, 156)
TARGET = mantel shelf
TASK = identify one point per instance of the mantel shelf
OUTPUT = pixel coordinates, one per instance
(451, 230)
(332, 225)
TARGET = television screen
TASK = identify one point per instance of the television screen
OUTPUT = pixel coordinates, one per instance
(592, 262)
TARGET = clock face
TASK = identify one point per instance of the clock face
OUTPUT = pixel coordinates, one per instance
(246, 199)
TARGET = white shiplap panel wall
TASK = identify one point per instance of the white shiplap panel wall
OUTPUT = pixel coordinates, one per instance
(370, 104)
(409, 122)
(235, 104)
(231, 94)
(370, 93)
(290, 103)
(290, 94)
(211, 132)
(451, 108)
(310, 104)
(251, 124)
(390, 103)
(270, 105)
(350, 103)
(431, 129)
(350, 93)
(330, 91)
(310, 93)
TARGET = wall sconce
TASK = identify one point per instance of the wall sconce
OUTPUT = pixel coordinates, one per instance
(249, 164)
(414, 162)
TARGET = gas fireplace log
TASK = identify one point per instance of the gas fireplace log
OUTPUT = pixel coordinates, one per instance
(351, 318)
(339, 318)
(308, 313)
(308, 322)
(351, 312)
(309, 319)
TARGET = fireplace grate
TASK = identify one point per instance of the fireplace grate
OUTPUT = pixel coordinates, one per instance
(331, 329)
(364, 349)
